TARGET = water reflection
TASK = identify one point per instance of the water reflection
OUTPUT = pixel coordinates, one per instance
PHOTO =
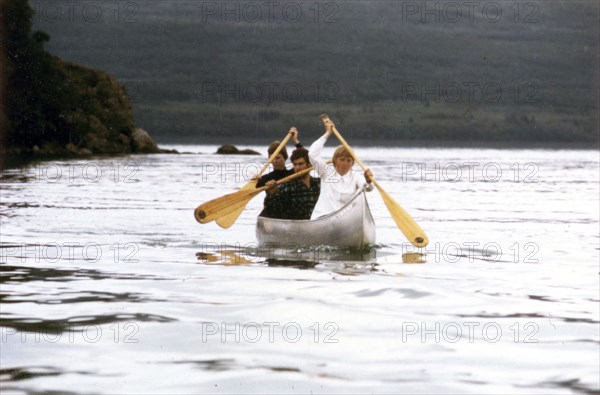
(343, 261)
(348, 262)
(209, 364)
(414, 257)
(77, 323)
(223, 257)
(23, 274)
(576, 386)
(77, 297)
(17, 374)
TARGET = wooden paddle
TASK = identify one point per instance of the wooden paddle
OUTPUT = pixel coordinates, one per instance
(224, 205)
(405, 223)
(229, 219)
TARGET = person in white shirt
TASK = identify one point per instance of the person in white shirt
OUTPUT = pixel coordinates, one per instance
(338, 182)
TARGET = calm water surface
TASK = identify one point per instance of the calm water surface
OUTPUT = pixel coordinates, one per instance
(109, 285)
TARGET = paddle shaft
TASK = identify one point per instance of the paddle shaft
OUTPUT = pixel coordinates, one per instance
(403, 220)
(348, 148)
(286, 179)
(351, 151)
(275, 153)
(227, 220)
(224, 205)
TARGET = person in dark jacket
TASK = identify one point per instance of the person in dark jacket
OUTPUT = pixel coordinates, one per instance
(279, 169)
(295, 199)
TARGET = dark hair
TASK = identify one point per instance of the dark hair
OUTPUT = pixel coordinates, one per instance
(300, 153)
(274, 146)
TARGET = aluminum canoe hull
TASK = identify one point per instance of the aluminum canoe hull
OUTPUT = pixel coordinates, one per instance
(352, 226)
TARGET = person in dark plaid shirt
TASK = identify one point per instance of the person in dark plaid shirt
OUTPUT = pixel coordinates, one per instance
(295, 199)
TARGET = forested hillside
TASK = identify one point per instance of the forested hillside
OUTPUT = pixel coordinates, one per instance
(443, 72)
(51, 107)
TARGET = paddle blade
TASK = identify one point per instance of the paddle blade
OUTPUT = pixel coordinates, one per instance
(229, 219)
(224, 205)
(405, 223)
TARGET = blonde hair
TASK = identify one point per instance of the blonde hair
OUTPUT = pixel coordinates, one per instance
(341, 152)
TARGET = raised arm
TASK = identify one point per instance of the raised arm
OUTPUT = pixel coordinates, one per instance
(316, 150)
(294, 132)
(314, 154)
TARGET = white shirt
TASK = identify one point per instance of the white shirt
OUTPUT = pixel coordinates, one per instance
(336, 190)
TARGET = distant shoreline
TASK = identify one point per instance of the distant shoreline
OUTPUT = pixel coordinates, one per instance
(402, 143)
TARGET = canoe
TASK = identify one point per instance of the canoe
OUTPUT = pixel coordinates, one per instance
(352, 226)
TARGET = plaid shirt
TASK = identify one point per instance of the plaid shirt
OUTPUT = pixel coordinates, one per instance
(293, 200)
(274, 175)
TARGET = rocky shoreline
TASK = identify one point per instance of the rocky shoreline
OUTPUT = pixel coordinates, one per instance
(228, 149)
(55, 108)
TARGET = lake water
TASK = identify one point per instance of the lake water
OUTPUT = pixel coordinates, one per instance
(109, 285)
